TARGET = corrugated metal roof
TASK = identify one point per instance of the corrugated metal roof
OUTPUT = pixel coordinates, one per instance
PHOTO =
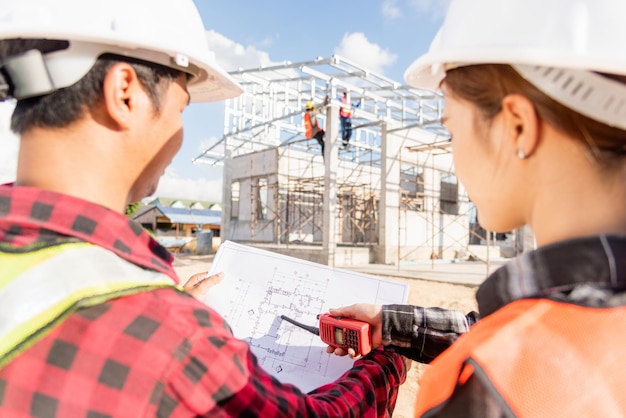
(191, 216)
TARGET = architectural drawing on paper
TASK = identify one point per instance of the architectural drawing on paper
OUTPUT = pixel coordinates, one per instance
(299, 295)
(260, 286)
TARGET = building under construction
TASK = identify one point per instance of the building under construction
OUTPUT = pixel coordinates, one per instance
(390, 197)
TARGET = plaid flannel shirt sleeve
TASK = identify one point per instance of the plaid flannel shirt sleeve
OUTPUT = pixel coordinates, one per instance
(421, 334)
(369, 389)
(220, 376)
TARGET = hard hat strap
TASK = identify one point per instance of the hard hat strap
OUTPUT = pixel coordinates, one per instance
(34, 74)
(585, 92)
(27, 75)
(5, 87)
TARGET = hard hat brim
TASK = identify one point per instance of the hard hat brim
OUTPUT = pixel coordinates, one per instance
(582, 35)
(166, 35)
(428, 71)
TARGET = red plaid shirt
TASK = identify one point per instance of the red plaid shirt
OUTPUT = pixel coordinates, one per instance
(158, 353)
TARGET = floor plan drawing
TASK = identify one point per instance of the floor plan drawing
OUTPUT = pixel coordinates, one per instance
(259, 286)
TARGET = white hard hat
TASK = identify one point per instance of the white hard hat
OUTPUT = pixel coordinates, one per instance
(547, 41)
(166, 32)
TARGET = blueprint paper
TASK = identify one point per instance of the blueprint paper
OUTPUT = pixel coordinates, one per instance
(261, 285)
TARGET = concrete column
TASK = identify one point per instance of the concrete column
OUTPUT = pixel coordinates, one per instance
(331, 161)
(431, 204)
(388, 226)
(227, 178)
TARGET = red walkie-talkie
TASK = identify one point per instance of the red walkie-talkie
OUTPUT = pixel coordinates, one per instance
(340, 332)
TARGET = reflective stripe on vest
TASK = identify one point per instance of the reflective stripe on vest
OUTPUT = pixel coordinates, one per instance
(345, 112)
(40, 288)
(544, 358)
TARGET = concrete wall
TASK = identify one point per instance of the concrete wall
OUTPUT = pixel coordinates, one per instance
(403, 235)
(248, 170)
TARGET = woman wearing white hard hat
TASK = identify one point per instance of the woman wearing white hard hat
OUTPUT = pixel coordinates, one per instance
(535, 103)
(93, 322)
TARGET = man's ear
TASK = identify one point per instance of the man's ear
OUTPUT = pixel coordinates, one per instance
(120, 88)
(523, 123)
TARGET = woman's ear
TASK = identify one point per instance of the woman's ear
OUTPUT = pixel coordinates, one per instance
(523, 122)
(119, 90)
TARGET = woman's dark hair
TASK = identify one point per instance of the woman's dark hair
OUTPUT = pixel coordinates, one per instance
(486, 85)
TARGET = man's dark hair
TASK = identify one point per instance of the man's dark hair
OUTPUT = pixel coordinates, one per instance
(64, 106)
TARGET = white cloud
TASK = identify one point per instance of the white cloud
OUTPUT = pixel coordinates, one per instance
(231, 55)
(390, 9)
(435, 8)
(208, 143)
(9, 145)
(267, 42)
(356, 47)
(173, 185)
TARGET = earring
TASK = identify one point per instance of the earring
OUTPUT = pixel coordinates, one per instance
(521, 154)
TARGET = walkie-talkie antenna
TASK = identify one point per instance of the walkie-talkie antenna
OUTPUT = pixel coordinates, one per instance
(309, 328)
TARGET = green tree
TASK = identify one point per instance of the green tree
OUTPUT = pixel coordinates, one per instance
(132, 209)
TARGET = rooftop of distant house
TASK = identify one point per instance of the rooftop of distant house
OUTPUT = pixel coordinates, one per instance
(183, 203)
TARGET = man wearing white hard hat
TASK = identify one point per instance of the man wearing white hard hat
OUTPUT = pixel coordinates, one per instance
(93, 322)
(535, 104)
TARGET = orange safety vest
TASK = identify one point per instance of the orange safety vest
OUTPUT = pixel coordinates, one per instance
(345, 112)
(545, 358)
(308, 125)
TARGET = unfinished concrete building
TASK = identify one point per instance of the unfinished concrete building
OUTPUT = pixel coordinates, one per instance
(390, 197)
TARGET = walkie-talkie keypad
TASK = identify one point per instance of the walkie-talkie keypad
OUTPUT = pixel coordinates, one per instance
(345, 333)
(352, 339)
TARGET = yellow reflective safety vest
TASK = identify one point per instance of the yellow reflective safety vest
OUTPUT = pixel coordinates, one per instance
(38, 289)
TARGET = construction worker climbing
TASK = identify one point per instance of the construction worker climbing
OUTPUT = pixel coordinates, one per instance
(312, 128)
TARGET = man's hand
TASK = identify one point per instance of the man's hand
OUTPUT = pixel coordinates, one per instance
(199, 284)
(372, 314)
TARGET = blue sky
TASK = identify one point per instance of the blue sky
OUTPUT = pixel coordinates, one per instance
(383, 35)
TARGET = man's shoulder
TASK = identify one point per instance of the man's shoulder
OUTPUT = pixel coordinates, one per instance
(172, 311)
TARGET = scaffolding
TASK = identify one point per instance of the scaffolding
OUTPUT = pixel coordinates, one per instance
(395, 176)
(269, 113)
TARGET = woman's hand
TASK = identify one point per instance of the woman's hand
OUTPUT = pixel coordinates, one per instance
(199, 284)
(372, 314)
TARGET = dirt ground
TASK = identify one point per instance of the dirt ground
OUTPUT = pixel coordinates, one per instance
(427, 293)
(423, 293)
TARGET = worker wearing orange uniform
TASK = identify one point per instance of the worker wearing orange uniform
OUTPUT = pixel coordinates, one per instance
(312, 128)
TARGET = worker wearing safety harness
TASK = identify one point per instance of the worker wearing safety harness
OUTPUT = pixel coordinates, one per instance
(535, 105)
(312, 128)
(93, 322)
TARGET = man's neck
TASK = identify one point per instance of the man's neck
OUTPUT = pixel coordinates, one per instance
(72, 163)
